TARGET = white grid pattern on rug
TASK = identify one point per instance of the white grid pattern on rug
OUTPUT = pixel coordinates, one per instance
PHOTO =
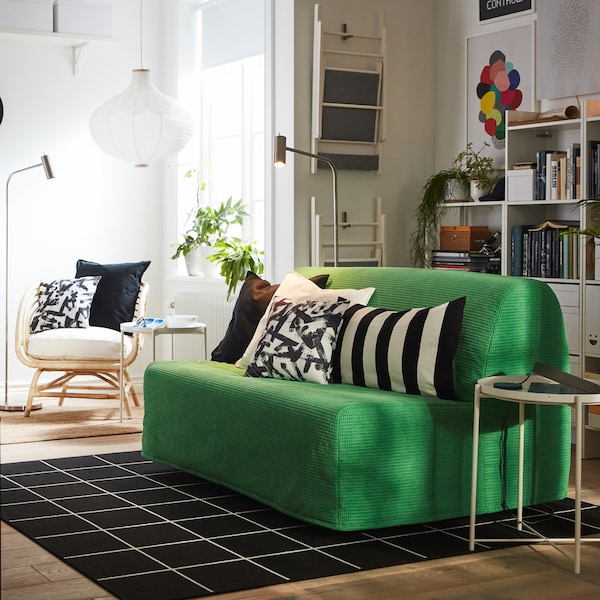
(145, 530)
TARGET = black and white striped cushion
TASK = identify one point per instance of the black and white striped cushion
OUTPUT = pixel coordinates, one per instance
(409, 352)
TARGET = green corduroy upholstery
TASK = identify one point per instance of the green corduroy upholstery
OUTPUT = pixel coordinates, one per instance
(353, 458)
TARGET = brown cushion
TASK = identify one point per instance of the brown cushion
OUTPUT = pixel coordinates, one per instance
(254, 297)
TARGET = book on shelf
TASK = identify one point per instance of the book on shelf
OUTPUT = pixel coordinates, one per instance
(522, 166)
(553, 174)
(541, 250)
(594, 168)
(558, 173)
(465, 261)
(541, 170)
(573, 179)
(518, 241)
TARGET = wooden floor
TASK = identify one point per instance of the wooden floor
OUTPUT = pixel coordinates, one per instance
(28, 572)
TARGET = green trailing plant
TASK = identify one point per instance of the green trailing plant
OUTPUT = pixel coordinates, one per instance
(468, 166)
(236, 257)
(429, 215)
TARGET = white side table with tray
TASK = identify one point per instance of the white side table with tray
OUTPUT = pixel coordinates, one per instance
(156, 327)
(534, 389)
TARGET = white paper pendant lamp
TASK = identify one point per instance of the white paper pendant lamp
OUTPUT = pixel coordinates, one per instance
(142, 124)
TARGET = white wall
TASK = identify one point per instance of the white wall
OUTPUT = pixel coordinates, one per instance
(408, 151)
(98, 208)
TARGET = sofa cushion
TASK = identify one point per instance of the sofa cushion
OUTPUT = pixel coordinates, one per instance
(409, 351)
(64, 303)
(115, 299)
(299, 341)
(253, 299)
(91, 343)
(296, 287)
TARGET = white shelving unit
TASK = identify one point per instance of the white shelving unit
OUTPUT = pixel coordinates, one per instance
(579, 294)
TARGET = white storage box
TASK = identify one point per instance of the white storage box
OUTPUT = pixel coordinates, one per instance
(85, 18)
(520, 185)
(27, 15)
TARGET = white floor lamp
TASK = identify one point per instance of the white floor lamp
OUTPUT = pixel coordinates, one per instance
(49, 175)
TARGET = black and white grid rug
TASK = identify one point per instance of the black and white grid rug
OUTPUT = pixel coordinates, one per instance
(145, 531)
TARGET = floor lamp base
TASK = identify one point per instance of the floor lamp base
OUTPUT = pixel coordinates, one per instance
(7, 406)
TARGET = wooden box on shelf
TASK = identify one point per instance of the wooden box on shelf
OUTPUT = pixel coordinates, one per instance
(463, 238)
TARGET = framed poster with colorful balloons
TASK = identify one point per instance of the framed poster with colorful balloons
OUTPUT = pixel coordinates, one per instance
(500, 77)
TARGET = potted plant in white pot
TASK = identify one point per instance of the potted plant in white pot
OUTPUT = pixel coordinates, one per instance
(206, 242)
(479, 170)
(207, 226)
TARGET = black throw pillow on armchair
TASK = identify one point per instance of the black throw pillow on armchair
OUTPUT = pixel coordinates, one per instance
(117, 292)
(254, 297)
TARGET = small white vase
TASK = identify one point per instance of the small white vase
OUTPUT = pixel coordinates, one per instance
(476, 190)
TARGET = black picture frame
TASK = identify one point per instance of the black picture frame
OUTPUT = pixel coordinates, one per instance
(490, 10)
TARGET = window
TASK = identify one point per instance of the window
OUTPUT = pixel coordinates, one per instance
(223, 77)
(232, 137)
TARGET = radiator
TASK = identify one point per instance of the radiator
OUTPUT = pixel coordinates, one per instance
(213, 310)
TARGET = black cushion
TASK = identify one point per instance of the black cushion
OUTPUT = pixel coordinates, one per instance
(254, 297)
(115, 298)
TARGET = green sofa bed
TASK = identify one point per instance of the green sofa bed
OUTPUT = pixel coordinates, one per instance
(349, 457)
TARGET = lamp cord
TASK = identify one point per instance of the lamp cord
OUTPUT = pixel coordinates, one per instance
(141, 35)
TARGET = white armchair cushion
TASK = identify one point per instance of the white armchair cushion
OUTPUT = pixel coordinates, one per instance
(91, 343)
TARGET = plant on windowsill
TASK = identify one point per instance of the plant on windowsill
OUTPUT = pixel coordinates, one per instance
(208, 226)
(469, 168)
(236, 257)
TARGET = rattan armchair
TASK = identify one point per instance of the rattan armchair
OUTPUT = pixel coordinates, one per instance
(92, 353)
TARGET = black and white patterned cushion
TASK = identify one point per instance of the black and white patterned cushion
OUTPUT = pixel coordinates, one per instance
(299, 341)
(409, 352)
(64, 303)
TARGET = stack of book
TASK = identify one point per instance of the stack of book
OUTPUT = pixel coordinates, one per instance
(465, 261)
(558, 174)
(541, 250)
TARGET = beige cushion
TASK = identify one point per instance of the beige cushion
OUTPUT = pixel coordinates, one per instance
(296, 287)
(89, 343)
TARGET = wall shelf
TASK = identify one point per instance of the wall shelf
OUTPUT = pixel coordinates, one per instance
(75, 41)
